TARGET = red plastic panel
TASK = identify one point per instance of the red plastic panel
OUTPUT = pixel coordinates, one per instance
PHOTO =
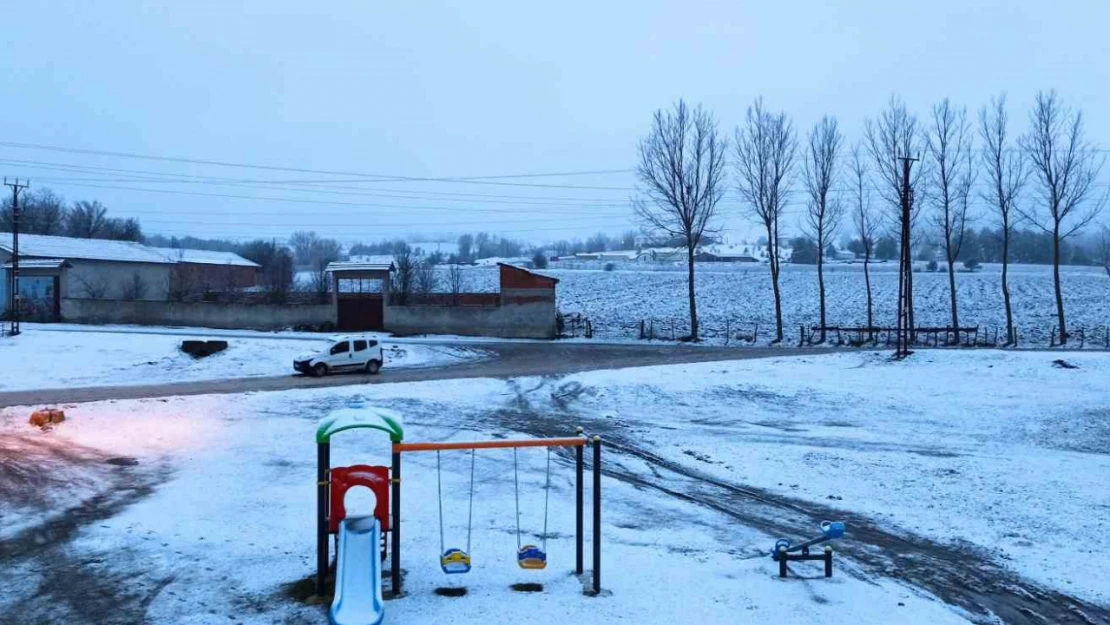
(374, 478)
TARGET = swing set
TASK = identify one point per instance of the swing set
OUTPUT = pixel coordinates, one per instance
(456, 561)
(333, 483)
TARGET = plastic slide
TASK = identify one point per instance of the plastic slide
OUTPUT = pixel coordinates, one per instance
(358, 574)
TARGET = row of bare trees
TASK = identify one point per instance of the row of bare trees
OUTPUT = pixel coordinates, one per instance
(1046, 178)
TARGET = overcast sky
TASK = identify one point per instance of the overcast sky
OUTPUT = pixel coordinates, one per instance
(424, 89)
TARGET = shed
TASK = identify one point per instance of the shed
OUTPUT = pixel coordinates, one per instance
(521, 286)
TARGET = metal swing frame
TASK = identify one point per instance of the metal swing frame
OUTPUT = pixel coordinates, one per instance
(578, 442)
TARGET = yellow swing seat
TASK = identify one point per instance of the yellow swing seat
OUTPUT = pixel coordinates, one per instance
(531, 557)
(454, 561)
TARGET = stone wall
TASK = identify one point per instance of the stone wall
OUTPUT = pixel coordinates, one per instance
(517, 321)
(198, 314)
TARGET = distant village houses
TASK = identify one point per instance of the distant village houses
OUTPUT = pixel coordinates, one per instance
(53, 269)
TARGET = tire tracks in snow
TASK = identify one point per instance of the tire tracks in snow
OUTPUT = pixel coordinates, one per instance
(959, 575)
(83, 586)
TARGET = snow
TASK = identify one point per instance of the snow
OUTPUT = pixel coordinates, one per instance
(998, 452)
(88, 249)
(234, 524)
(740, 296)
(47, 357)
(204, 257)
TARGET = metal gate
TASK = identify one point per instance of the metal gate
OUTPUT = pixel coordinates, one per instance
(360, 311)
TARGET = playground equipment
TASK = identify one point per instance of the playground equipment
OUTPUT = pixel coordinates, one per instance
(455, 561)
(531, 556)
(363, 543)
(784, 552)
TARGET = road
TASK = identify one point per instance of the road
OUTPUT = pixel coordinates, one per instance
(508, 360)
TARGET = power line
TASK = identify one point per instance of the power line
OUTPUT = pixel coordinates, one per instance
(301, 200)
(371, 177)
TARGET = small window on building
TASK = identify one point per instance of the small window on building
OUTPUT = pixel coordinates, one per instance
(360, 346)
(340, 348)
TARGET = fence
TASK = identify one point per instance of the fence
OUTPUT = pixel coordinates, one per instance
(922, 336)
(200, 314)
(573, 325)
(735, 331)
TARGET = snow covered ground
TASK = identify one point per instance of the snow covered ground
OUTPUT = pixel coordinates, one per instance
(1001, 457)
(740, 295)
(49, 358)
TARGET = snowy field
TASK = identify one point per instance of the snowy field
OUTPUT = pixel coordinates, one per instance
(616, 301)
(49, 358)
(976, 477)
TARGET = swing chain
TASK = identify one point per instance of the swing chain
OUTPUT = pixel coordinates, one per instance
(546, 493)
(546, 496)
(470, 513)
(439, 490)
(516, 490)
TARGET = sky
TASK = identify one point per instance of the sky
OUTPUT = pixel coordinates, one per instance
(335, 98)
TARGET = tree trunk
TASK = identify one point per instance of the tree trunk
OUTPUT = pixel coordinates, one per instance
(772, 257)
(821, 282)
(867, 281)
(909, 300)
(1056, 280)
(1006, 285)
(693, 301)
(952, 298)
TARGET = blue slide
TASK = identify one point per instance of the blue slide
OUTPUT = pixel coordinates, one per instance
(358, 574)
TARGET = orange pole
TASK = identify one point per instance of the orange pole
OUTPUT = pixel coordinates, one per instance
(540, 442)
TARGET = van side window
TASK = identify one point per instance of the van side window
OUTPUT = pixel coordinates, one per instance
(360, 346)
(373, 343)
(340, 348)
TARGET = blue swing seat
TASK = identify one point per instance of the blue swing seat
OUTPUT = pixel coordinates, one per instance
(455, 561)
(531, 557)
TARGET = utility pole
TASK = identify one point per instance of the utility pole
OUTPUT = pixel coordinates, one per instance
(906, 329)
(13, 275)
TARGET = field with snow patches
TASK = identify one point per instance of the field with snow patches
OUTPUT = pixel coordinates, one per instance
(998, 465)
(616, 301)
(52, 359)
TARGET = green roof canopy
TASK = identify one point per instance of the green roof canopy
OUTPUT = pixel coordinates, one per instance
(370, 417)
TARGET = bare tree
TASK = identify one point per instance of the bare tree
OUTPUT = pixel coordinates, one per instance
(320, 280)
(820, 168)
(86, 220)
(94, 287)
(454, 282)
(134, 288)
(766, 149)
(425, 281)
(404, 274)
(949, 142)
(1064, 168)
(1104, 250)
(890, 137)
(1007, 171)
(865, 220)
(681, 175)
(303, 244)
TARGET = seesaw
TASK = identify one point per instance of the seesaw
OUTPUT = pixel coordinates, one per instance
(784, 552)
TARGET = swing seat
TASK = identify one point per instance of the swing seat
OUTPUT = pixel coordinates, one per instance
(455, 561)
(531, 557)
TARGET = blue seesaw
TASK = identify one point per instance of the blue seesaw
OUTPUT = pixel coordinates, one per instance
(785, 552)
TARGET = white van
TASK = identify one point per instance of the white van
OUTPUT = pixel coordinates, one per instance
(347, 353)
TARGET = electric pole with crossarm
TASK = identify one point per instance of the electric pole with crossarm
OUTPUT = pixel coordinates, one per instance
(17, 187)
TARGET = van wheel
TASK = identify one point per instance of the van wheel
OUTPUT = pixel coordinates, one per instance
(373, 367)
(320, 370)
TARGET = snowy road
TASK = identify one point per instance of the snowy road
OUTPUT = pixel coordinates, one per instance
(508, 360)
